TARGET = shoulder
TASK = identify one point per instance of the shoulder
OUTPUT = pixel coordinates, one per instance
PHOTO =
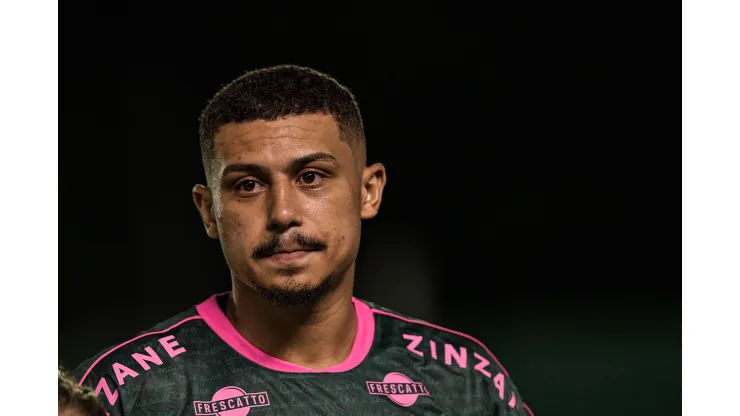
(458, 351)
(422, 338)
(158, 346)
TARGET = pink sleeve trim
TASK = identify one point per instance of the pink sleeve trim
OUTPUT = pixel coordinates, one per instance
(132, 340)
(482, 345)
(413, 321)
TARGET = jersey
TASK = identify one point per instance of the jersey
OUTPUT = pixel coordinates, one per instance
(196, 363)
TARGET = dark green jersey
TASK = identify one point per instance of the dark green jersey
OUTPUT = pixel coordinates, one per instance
(196, 363)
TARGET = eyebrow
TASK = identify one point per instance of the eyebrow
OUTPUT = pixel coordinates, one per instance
(293, 166)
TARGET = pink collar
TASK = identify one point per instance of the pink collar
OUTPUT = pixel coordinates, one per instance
(217, 320)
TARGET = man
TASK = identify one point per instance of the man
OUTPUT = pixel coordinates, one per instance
(287, 187)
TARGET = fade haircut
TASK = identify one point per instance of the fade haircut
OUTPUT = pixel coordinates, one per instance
(282, 91)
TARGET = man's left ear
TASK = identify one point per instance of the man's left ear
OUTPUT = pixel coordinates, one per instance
(373, 182)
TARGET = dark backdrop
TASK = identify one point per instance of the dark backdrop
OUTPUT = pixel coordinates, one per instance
(527, 179)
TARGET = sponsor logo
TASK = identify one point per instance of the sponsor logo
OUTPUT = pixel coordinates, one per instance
(399, 388)
(231, 401)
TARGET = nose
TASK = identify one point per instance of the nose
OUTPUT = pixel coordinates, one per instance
(283, 208)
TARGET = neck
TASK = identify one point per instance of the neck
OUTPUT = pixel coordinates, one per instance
(316, 336)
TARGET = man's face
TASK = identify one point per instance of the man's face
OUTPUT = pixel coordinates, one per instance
(286, 200)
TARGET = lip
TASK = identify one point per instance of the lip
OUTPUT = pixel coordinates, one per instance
(289, 257)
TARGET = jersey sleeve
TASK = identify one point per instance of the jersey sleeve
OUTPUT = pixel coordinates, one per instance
(125, 375)
(504, 397)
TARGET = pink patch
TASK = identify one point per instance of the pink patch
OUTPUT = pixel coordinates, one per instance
(399, 388)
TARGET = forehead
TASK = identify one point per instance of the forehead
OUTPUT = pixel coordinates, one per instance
(264, 141)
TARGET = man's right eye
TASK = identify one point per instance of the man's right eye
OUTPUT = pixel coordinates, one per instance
(248, 186)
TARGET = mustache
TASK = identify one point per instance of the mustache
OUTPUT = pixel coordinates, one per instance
(304, 242)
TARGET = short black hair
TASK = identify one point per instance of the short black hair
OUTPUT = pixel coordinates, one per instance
(281, 91)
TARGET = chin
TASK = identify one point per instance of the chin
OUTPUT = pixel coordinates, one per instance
(295, 288)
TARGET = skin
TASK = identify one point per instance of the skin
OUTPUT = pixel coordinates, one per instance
(286, 199)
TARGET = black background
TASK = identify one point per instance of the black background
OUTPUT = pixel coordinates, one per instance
(527, 155)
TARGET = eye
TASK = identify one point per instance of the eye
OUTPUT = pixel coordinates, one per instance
(311, 178)
(308, 177)
(248, 186)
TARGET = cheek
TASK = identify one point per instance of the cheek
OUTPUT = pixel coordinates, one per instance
(343, 219)
(346, 242)
(235, 223)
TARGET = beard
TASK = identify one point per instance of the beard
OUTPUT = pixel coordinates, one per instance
(290, 291)
(295, 294)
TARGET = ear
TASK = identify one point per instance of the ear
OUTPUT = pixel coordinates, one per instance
(373, 182)
(204, 204)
